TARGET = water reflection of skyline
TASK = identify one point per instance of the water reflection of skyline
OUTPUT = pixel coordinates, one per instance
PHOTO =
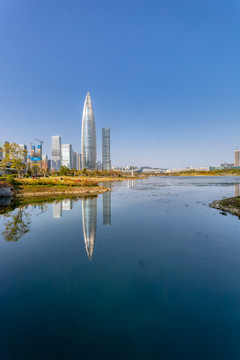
(17, 223)
(107, 205)
(236, 189)
(89, 216)
(89, 219)
(59, 206)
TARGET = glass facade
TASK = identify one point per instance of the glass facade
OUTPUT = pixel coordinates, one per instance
(88, 135)
(79, 162)
(106, 162)
(67, 156)
(75, 164)
(56, 152)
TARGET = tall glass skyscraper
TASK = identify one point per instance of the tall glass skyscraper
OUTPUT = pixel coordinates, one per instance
(56, 152)
(106, 162)
(88, 136)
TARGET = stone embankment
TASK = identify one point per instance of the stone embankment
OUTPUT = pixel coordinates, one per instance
(230, 205)
(6, 191)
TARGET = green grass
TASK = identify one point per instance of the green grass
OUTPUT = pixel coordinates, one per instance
(234, 202)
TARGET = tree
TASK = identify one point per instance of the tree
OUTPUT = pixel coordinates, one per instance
(16, 225)
(14, 157)
(64, 170)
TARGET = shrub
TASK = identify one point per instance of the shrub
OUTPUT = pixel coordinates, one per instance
(10, 179)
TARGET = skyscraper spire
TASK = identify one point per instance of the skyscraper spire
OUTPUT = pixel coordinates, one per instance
(88, 135)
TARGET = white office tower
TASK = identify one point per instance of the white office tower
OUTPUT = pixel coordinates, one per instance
(56, 152)
(67, 156)
(88, 142)
(236, 158)
(106, 162)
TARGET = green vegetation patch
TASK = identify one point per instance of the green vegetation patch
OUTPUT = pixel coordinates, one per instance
(234, 202)
(55, 182)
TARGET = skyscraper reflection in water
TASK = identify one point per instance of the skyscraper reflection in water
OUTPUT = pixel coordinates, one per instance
(59, 206)
(236, 189)
(89, 218)
(57, 209)
(107, 205)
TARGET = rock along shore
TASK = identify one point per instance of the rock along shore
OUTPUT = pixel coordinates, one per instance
(231, 205)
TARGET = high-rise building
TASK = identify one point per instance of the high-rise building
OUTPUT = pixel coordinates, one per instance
(56, 152)
(88, 140)
(106, 162)
(2, 150)
(24, 147)
(79, 162)
(44, 164)
(66, 155)
(236, 158)
(32, 151)
(39, 151)
(99, 165)
(75, 161)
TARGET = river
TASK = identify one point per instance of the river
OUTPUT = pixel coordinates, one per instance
(147, 271)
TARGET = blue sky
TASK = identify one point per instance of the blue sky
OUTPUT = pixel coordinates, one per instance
(163, 75)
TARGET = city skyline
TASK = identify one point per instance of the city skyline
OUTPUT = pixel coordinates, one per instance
(167, 83)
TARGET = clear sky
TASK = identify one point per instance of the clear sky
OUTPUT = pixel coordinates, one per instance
(164, 75)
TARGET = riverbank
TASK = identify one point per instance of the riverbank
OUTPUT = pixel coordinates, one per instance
(222, 172)
(57, 186)
(28, 190)
(231, 205)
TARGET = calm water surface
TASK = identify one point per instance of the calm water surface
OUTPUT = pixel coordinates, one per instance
(148, 271)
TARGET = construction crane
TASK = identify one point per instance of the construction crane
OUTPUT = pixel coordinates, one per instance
(41, 142)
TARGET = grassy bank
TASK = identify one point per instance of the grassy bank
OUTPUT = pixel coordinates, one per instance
(57, 186)
(224, 172)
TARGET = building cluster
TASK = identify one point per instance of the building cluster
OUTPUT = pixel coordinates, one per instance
(63, 154)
